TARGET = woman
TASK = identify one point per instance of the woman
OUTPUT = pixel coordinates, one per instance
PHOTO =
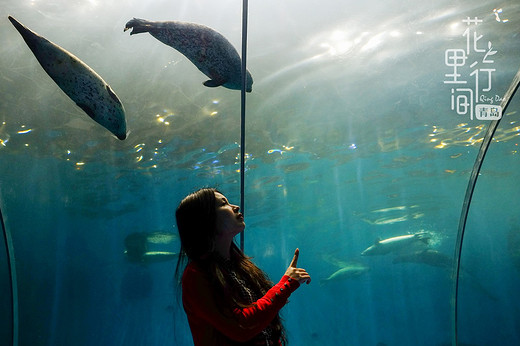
(228, 299)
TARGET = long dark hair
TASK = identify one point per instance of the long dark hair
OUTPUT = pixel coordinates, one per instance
(196, 216)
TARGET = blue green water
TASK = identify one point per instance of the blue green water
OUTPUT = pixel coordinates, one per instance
(349, 138)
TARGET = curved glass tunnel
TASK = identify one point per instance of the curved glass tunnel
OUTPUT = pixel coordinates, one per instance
(359, 128)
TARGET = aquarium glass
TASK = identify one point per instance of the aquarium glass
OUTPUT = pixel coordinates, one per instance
(363, 125)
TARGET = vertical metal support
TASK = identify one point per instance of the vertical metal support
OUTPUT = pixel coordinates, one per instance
(243, 113)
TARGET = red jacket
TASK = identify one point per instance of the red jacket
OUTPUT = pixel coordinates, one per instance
(209, 326)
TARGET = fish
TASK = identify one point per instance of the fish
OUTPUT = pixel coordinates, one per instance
(206, 48)
(349, 270)
(79, 82)
(160, 237)
(386, 220)
(386, 210)
(408, 243)
(391, 215)
(429, 256)
(140, 247)
(152, 257)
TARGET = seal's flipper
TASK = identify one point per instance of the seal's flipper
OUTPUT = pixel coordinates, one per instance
(212, 83)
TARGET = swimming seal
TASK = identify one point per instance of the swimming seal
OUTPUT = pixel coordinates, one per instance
(207, 49)
(81, 83)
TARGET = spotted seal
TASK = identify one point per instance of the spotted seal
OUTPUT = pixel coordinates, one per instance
(81, 83)
(207, 49)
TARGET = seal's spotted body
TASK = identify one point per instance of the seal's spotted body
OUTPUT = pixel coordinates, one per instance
(207, 49)
(81, 83)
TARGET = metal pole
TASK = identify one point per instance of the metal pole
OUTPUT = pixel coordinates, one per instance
(243, 113)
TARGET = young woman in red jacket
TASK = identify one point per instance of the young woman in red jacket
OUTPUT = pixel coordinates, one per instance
(228, 299)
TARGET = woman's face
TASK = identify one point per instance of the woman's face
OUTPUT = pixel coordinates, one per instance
(230, 221)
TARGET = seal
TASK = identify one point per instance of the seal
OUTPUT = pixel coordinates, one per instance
(403, 244)
(81, 83)
(207, 49)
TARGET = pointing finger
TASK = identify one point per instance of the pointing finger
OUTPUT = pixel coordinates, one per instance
(294, 261)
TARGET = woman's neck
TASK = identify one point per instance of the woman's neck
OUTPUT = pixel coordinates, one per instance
(223, 247)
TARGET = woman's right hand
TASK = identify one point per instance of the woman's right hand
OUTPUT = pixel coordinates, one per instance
(295, 273)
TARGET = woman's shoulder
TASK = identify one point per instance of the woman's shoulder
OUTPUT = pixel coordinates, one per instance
(193, 268)
(193, 271)
(194, 278)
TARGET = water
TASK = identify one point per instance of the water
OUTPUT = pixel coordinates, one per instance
(350, 139)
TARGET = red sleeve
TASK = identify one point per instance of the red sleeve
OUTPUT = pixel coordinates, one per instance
(243, 323)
